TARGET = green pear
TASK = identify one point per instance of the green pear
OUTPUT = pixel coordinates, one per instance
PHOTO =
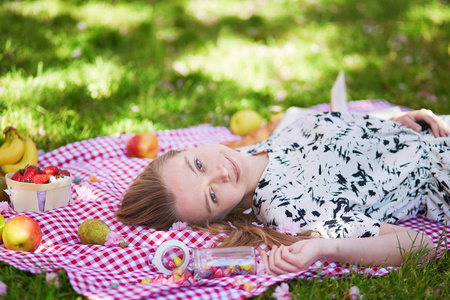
(3, 186)
(94, 231)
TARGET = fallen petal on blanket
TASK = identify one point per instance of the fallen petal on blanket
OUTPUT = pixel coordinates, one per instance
(85, 192)
(112, 239)
(179, 226)
(4, 206)
(95, 231)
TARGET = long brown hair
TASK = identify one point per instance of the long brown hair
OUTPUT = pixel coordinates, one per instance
(245, 230)
(149, 202)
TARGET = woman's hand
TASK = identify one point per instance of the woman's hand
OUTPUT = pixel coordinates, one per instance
(293, 258)
(388, 249)
(410, 119)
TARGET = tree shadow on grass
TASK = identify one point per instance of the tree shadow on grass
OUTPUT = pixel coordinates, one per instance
(147, 50)
(27, 41)
(139, 49)
(355, 11)
(32, 35)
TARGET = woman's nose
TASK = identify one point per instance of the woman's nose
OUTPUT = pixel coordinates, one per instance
(221, 173)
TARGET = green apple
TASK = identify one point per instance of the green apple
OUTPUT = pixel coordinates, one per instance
(22, 233)
(2, 224)
(245, 121)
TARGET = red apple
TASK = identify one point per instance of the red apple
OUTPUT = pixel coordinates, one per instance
(22, 233)
(143, 145)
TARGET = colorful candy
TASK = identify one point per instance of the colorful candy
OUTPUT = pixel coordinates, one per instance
(220, 262)
(173, 257)
(186, 279)
(178, 277)
(248, 287)
(171, 264)
(222, 271)
(178, 261)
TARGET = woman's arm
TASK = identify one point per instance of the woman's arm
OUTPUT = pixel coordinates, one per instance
(410, 119)
(390, 248)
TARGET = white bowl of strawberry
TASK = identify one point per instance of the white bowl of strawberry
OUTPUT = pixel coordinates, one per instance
(39, 189)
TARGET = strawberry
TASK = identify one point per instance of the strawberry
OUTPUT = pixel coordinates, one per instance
(30, 171)
(63, 173)
(17, 176)
(51, 170)
(40, 178)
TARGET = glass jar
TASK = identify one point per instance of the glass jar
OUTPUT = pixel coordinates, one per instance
(219, 262)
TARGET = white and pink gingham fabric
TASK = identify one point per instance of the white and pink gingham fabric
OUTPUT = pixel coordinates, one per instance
(100, 272)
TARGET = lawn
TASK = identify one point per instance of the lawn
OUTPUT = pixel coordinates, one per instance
(72, 70)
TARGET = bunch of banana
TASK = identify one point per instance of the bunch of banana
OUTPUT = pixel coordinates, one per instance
(17, 151)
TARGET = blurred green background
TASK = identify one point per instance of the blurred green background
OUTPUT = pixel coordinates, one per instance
(73, 69)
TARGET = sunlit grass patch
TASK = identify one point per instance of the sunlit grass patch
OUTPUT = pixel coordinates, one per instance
(122, 16)
(436, 13)
(39, 9)
(100, 80)
(256, 66)
(126, 125)
(212, 11)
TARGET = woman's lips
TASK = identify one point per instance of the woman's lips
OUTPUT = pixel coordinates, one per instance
(236, 169)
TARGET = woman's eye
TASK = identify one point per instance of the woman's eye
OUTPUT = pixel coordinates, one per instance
(199, 165)
(213, 196)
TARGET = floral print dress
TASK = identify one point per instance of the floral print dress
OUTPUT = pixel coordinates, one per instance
(341, 174)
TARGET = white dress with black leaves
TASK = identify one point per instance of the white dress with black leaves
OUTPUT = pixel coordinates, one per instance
(343, 173)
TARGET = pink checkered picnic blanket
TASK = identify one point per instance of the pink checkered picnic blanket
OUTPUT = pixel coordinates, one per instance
(100, 272)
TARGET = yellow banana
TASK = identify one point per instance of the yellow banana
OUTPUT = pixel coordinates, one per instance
(6, 143)
(12, 150)
(30, 157)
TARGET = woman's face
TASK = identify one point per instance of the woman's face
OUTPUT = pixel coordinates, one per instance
(208, 182)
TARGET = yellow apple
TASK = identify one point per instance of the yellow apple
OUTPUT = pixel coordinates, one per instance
(245, 121)
(22, 233)
(2, 224)
(143, 145)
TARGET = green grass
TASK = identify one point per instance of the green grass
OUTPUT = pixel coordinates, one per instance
(72, 70)
(23, 285)
(409, 282)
